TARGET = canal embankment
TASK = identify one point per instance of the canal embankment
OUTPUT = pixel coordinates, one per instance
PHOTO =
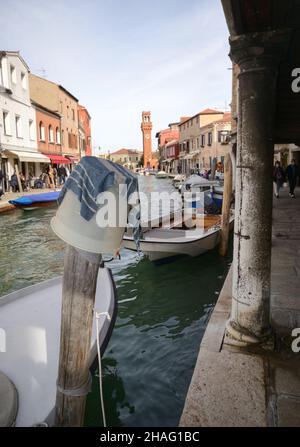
(257, 386)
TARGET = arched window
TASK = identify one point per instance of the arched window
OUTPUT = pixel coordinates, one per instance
(42, 131)
(62, 136)
(51, 135)
(57, 135)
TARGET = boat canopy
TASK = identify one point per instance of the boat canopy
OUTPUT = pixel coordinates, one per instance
(36, 198)
(197, 180)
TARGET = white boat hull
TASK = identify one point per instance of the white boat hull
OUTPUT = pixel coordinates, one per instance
(165, 243)
(30, 319)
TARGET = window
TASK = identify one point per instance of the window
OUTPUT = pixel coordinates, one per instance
(31, 130)
(72, 141)
(57, 135)
(198, 143)
(68, 111)
(224, 136)
(19, 129)
(1, 77)
(209, 139)
(42, 131)
(73, 114)
(6, 123)
(202, 140)
(23, 81)
(62, 136)
(13, 74)
(51, 135)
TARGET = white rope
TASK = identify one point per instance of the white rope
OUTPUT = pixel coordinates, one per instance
(98, 315)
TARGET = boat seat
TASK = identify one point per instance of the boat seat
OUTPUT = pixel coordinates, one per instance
(8, 402)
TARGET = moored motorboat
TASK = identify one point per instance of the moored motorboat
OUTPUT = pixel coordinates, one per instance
(33, 201)
(172, 240)
(211, 188)
(30, 318)
(161, 174)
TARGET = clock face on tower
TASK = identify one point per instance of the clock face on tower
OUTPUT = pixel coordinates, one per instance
(147, 136)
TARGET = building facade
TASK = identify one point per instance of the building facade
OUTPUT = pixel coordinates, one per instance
(165, 136)
(18, 134)
(84, 129)
(59, 100)
(214, 143)
(129, 158)
(170, 161)
(190, 138)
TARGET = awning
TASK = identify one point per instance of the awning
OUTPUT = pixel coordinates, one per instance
(58, 159)
(35, 157)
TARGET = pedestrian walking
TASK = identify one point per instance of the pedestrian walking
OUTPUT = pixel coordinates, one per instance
(292, 173)
(14, 182)
(278, 178)
(62, 174)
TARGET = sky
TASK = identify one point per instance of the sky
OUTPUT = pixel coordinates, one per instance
(120, 57)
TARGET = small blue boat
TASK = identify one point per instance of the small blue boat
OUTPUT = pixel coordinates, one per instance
(34, 201)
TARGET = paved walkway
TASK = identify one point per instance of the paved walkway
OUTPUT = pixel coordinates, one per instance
(254, 386)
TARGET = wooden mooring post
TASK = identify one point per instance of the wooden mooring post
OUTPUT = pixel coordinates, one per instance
(18, 177)
(78, 297)
(227, 194)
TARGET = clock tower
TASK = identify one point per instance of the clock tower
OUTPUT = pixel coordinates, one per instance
(147, 143)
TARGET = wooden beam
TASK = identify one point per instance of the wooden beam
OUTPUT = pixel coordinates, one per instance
(18, 177)
(227, 194)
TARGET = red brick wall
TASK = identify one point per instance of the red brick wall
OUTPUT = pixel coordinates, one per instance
(85, 122)
(47, 119)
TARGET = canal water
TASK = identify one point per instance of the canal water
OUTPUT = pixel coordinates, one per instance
(162, 314)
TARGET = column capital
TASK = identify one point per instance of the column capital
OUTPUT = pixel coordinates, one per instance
(259, 50)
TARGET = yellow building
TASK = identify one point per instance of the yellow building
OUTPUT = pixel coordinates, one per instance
(129, 158)
(190, 143)
(214, 142)
(56, 98)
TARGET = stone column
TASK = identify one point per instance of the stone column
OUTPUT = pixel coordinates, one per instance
(258, 56)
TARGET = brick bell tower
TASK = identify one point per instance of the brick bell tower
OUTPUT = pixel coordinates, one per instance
(146, 127)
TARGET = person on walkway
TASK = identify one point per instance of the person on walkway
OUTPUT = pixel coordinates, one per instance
(14, 182)
(278, 178)
(1, 183)
(292, 173)
(51, 176)
(62, 174)
(45, 179)
(55, 176)
(23, 181)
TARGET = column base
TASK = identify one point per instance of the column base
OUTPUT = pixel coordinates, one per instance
(235, 335)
